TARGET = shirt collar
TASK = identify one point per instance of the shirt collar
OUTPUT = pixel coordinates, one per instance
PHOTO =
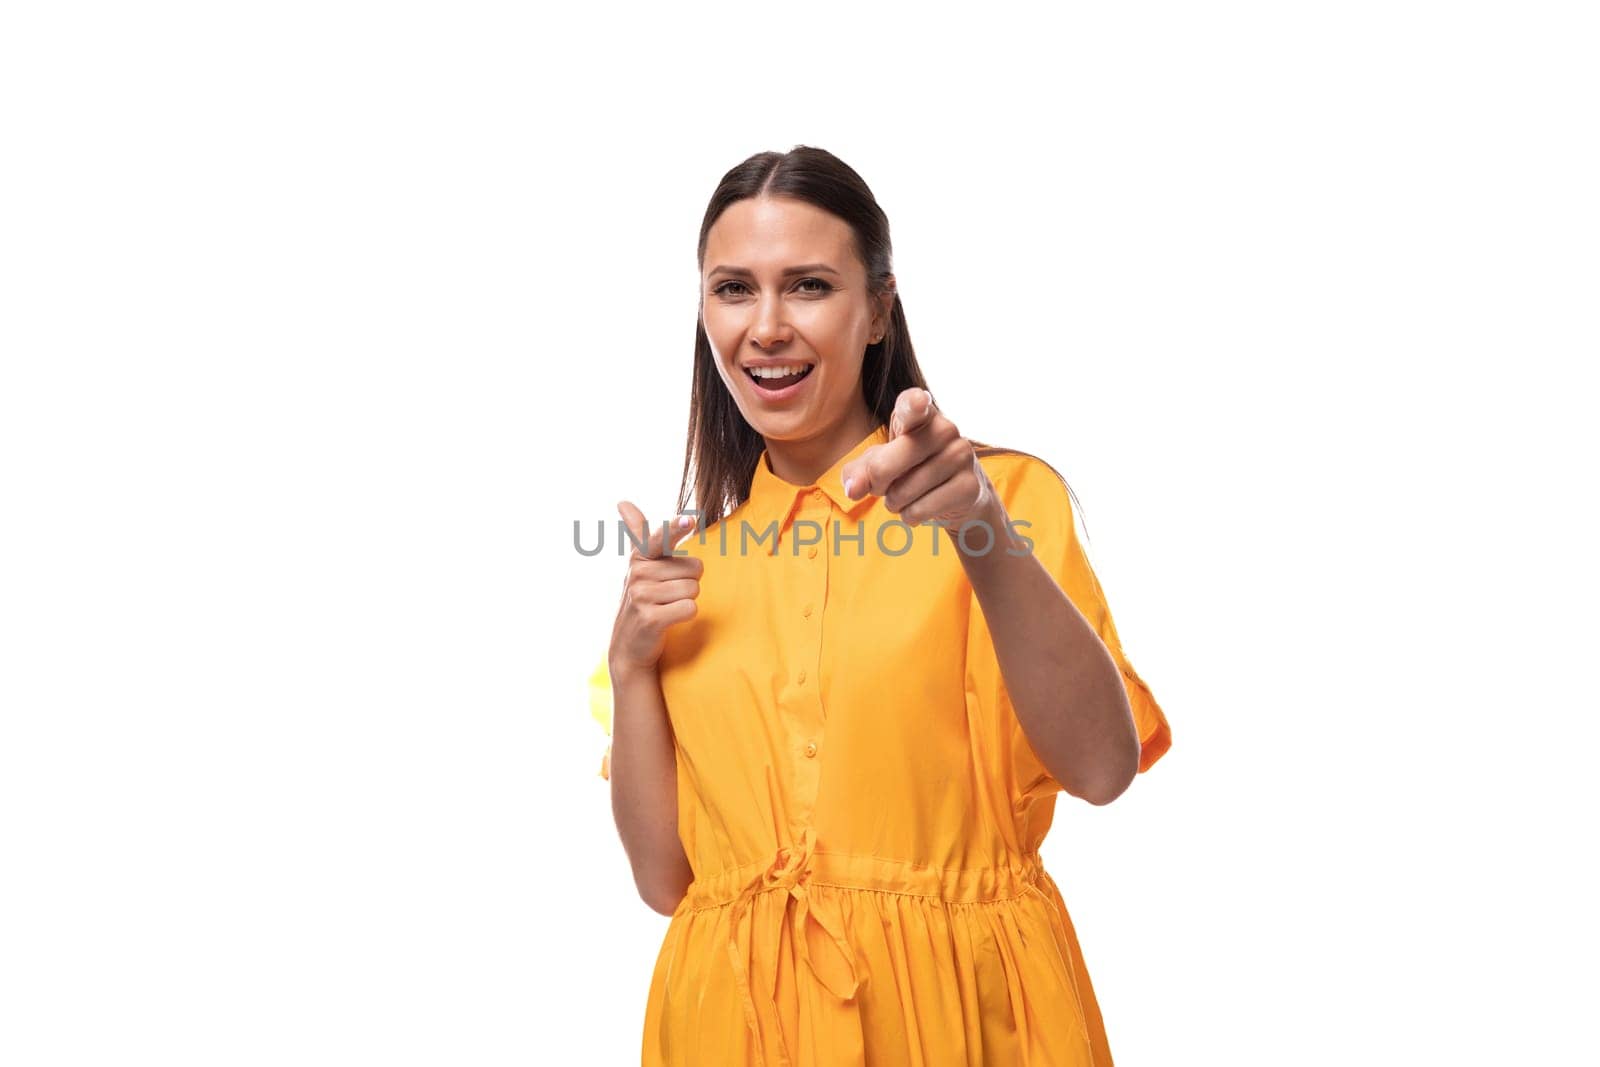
(771, 498)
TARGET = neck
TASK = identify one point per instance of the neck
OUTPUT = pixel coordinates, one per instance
(802, 461)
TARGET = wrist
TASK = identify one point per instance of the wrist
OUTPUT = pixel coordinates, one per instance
(990, 544)
(624, 673)
(988, 532)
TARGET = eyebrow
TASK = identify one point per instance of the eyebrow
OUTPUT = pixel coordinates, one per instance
(805, 268)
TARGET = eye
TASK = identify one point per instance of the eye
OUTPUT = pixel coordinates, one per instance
(822, 286)
(722, 290)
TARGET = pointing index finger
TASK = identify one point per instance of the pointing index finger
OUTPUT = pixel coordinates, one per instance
(911, 409)
(682, 528)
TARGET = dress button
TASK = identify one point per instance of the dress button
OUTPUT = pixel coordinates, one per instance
(812, 553)
(802, 678)
(807, 612)
(811, 749)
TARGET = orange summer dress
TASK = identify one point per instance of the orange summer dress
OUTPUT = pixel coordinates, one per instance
(857, 799)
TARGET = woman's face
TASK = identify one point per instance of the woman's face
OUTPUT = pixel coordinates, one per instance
(781, 289)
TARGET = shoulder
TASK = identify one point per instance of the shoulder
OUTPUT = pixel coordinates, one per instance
(1018, 475)
(1034, 493)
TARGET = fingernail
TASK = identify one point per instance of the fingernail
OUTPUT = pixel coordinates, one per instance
(847, 490)
(683, 521)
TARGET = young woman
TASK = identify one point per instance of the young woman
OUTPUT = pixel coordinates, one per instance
(845, 703)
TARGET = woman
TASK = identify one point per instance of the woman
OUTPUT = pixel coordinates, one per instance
(844, 706)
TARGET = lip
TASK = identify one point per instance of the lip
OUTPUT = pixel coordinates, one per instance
(777, 395)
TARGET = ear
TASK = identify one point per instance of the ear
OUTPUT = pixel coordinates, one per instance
(883, 308)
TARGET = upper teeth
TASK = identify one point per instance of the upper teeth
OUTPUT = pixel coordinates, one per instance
(777, 372)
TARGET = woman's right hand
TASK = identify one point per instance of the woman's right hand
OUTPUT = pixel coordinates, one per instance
(659, 590)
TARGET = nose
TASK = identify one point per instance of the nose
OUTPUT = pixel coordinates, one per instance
(769, 328)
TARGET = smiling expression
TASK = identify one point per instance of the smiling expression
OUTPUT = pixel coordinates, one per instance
(782, 290)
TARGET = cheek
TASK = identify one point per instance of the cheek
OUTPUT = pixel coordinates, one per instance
(721, 331)
(724, 348)
(832, 334)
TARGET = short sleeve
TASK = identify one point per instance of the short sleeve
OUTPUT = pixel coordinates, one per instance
(1040, 508)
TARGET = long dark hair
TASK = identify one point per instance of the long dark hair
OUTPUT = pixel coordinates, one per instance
(722, 449)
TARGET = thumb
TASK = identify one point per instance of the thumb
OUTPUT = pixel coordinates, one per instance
(639, 530)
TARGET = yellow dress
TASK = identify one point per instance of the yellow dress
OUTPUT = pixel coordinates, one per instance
(858, 801)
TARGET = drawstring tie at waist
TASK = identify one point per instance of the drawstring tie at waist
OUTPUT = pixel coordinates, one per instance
(818, 934)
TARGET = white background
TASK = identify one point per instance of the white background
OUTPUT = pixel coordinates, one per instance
(322, 322)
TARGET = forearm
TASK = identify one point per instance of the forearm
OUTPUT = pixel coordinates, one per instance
(644, 788)
(1064, 684)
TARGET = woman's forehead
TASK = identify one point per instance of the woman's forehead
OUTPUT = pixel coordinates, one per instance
(771, 234)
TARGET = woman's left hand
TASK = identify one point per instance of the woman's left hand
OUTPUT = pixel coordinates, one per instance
(926, 470)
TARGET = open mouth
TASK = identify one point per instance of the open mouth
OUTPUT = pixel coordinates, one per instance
(780, 378)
